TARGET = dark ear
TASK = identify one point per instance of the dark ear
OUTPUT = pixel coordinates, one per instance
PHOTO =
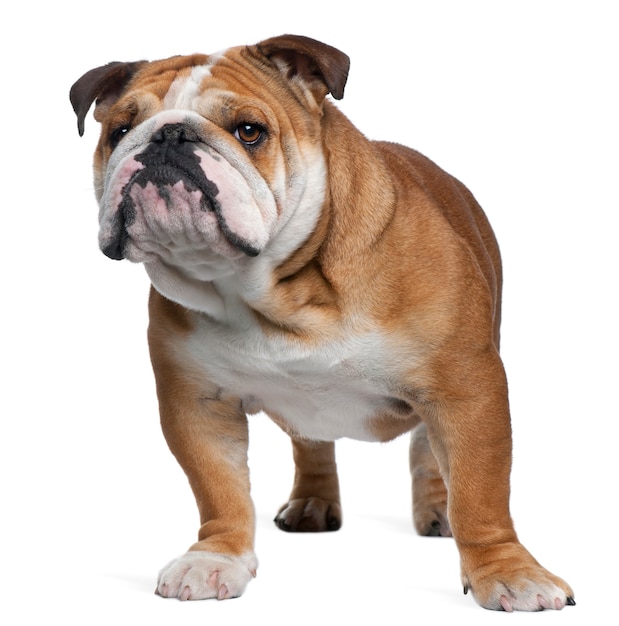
(103, 84)
(311, 60)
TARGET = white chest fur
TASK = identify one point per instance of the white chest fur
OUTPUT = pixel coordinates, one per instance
(322, 392)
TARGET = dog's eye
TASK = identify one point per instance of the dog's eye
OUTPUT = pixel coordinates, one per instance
(249, 134)
(117, 134)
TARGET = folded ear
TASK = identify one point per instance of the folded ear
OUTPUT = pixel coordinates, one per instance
(104, 84)
(318, 64)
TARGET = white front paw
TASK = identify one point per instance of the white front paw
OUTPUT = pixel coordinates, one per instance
(202, 575)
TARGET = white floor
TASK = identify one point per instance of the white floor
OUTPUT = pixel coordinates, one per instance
(89, 551)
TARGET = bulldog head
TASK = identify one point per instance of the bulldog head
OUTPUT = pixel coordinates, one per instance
(207, 161)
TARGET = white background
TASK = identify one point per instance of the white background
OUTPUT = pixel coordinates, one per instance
(518, 100)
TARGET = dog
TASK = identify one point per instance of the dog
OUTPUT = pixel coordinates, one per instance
(345, 287)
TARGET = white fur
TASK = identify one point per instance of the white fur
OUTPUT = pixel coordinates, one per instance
(184, 91)
(202, 575)
(527, 596)
(323, 392)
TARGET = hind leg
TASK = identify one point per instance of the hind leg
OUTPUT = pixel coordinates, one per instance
(429, 490)
(314, 503)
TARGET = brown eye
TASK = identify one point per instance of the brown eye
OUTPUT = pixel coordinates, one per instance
(249, 134)
(117, 134)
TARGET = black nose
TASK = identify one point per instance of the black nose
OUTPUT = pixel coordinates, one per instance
(174, 146)
(175, 134)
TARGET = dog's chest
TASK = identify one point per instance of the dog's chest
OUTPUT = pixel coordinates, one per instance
(321, 391)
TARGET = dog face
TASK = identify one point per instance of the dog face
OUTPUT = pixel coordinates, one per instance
(207, 162)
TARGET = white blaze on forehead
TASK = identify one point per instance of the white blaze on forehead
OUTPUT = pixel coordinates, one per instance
(185, 89)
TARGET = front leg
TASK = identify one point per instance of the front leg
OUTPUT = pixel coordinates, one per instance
(314, 503)
(209, 440)
(208, 434)
(469, 430)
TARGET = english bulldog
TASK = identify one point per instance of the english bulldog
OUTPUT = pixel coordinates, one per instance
(345, 287)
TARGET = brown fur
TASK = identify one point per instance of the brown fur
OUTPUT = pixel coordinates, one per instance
(400, 245)
(206, 431)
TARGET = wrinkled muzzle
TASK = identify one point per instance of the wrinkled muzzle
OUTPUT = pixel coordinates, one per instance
(173, 195)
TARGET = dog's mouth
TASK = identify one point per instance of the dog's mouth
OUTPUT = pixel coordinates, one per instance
(169, 199)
